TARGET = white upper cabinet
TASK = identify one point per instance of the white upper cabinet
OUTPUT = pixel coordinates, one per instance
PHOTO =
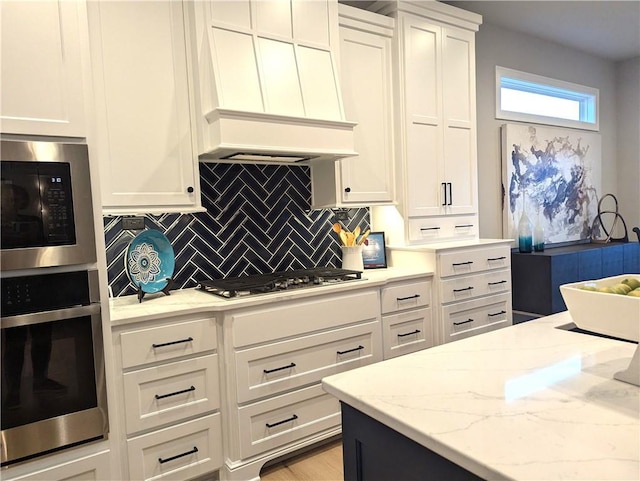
(142, 135)
(436, 153)
(365, 78)
(41, 76)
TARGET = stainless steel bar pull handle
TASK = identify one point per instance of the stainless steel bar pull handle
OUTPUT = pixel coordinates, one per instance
(359, 348)
(162, 396)
(288, 366)
(292, 418)
(166, 460)
(188, 339)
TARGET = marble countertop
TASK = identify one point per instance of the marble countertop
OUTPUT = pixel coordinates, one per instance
(528, 402)
(127, 309)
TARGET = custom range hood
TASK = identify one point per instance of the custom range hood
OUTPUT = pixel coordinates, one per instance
(268, 82)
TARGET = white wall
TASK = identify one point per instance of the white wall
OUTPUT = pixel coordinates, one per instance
(498, 46)
(628, 105)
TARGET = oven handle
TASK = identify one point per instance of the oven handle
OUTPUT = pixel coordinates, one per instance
(48, 316)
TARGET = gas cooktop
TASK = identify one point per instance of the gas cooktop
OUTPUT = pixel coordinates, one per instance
(232, 287)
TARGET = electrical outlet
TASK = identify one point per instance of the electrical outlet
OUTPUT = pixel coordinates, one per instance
(342, 215)
(133, 223)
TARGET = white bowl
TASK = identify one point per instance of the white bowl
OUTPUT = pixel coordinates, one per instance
(610, 314)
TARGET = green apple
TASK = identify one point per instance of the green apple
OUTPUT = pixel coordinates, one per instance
(632, 282)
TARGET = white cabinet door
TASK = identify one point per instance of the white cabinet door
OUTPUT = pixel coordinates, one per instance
(143, 133)
(366, 86)
(365, 79)
(423, 117)
(440, 119)
(42, 91)
(94, 467)
(459, 101)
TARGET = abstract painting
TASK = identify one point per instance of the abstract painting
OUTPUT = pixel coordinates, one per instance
(554, 174)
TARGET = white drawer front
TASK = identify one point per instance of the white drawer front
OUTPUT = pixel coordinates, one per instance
(171, 392)
(293, 318)
(469, 287)
(187, 450)
(407, 332)
(469, 261)
(171, 341)
(285, 365)
(465, 319)
(287, 418)
(437, 229)
(406, 295)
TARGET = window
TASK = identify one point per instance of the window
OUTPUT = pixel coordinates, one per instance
(532, 98)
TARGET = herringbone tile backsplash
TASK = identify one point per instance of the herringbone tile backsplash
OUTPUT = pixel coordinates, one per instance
(258, 220)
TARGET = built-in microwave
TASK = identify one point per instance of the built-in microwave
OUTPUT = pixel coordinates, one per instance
(47, 211)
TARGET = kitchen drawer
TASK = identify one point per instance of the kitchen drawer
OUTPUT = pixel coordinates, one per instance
(294, 318)
(438, 229)
(187, 450)
(285, 419)
(465, 319)
(286, 365)
(407, 332)
(469, 261)
(469, 287)
(166, 342)
(185, 388)
(405, 295)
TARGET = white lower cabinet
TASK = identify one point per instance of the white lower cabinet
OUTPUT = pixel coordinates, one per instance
(406, 317)
(277, 356)
(169, 393)
(472, 285)
(94, 467)
(183, 451)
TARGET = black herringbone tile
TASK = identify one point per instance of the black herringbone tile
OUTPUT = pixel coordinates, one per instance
(258, 220)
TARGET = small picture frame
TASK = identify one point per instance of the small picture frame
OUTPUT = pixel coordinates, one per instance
(374, 254)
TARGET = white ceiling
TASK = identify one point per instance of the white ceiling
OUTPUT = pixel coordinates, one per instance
(608, 29)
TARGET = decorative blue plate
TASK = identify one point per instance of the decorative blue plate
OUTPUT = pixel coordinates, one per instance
(150, 261)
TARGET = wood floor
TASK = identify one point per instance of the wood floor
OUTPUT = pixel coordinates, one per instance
(320, 464)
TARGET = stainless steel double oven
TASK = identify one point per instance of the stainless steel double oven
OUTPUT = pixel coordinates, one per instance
(52, 362)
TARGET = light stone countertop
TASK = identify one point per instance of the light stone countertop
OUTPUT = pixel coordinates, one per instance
(126, 309)
(527, 402)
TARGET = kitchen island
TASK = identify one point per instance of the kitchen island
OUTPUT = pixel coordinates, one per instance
(533, 401)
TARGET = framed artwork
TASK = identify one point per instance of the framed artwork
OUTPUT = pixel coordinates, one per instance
(374, 255)
(554, 175)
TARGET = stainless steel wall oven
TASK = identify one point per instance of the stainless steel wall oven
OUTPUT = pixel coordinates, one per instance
(52, 352)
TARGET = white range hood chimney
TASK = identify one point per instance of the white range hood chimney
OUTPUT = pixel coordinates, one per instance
(268, 82)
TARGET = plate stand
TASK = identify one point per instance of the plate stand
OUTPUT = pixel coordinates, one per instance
(632, 373)
(165, 291)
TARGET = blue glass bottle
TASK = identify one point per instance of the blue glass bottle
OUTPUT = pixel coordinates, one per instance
(525, 235)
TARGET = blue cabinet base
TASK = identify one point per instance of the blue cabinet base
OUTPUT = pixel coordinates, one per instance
(536, 278)
(375, 452)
